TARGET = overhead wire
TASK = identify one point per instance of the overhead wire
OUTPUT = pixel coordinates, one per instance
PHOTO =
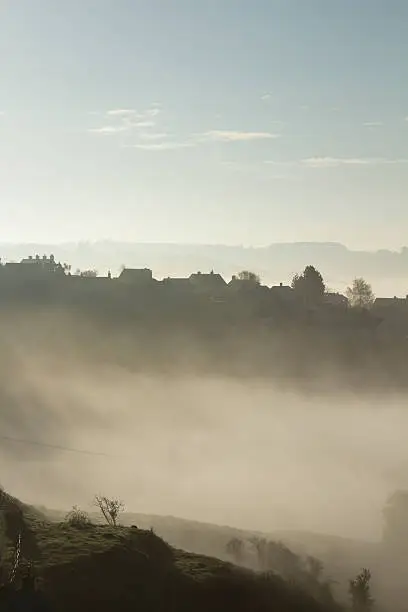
(57, 447)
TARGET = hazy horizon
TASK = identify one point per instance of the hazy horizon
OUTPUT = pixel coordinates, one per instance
(105, 240)
(386, 270)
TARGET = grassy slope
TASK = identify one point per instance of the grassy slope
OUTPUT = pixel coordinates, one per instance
(98, 567)
(342, 557)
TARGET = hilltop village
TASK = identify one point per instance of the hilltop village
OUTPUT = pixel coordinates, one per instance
(43, 279)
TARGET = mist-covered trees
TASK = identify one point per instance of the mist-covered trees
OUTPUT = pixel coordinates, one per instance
(86, 273)
(270, 558)
(250, 277)
(360, 592)
(360, 294)
(3, 499)
(235, 549)
(395, 515)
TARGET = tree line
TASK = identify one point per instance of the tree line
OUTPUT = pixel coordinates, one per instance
(310, 286)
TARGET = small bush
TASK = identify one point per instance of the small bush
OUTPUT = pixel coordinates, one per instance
(77, 518)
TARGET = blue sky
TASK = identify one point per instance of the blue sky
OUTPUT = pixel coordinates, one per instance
(219, 121)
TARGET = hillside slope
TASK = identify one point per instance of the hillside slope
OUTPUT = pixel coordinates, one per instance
(341, 556)
(97, 567)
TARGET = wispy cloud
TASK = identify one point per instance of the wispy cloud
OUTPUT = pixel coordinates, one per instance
(126, 119)
(161, 146)
(234, 136)
(140, 131)
(121, 112)
(153, 112)
(266, 96)
(108, 129)
(335, 162)
(139, 127)
(373, 124)
(332, 162)
(144, 124)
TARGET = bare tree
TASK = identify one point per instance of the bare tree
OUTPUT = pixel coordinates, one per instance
(360, 294)
(110, 508)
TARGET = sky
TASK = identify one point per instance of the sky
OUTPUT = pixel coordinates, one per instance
(221, 121)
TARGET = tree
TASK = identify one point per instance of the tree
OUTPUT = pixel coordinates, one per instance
(279, 558)
(261, 550)
(250, 277)
(314, 567)
(3, 501)
(88, 273)
(360, 294)
(309, 285)
(395, 514)
(235, 548)
(360, 592)
(110, 509)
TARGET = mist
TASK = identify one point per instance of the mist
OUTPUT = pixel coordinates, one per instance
(234, 452)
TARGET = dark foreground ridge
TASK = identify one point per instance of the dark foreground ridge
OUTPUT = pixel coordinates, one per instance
(94, 567)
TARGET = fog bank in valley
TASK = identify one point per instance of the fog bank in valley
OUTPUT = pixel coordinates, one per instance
(241, 453)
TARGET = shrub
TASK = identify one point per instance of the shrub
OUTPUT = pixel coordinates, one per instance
(77, 518)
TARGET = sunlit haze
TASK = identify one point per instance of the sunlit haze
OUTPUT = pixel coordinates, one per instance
(204, 304)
